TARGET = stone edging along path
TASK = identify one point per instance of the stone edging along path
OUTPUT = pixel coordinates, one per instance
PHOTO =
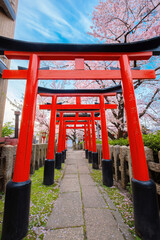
(83, 210)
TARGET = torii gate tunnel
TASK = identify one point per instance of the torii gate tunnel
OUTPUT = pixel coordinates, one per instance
(16, 213)
(92, 150)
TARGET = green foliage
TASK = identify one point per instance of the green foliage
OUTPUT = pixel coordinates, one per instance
(121, 201)
(151, 140)
(99, 141)
(7, 129)
(120, 141)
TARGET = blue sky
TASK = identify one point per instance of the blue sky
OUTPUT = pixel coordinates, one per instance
(53, 21)
(63, 21)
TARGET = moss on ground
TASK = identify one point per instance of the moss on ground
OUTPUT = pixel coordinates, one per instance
(121, 201)
(42, 200)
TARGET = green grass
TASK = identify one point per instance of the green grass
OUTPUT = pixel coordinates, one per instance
(121, 201)
(42, 200)
(1, 211)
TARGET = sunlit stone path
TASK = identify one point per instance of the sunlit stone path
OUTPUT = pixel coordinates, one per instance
(83, 210)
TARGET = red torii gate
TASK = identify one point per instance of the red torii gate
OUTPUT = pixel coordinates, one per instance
(15, 224)
(85, 133)
(92, 156)
(80, 118)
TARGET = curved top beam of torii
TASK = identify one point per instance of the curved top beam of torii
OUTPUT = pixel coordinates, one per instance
(8, 44)
(115, 89)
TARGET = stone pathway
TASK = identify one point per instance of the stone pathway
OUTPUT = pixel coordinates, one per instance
(83, 211)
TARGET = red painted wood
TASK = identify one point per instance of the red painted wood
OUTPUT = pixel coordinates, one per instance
(89, 137)
(85, 137)
(78, 106)
(139, 164)
(108, 56)
(74, 127)
(78, 74)
(104, 133)
(52, 130)
(78, 119)
(79, 63)
(94, 147)
(24, 148)
(60, 134)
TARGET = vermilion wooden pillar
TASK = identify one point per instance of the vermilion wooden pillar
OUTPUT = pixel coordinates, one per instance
(59, 146)
(89, 143)
(86, 142)
(17, 201)
(94, 147)
(65, 149)
(50, 161)
(106, 161)
(63, 142)
(147, 222)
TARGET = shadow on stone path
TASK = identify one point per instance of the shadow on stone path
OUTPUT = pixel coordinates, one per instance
(83, 211)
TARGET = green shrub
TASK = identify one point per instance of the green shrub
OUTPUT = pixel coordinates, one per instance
(120, 141)
(151, 140)
(99, 141)
(7, 129)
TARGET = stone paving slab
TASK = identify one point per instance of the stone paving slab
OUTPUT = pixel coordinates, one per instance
(121, 225)
(91, 197)
(73, 175)
(65, 234)
(71, 169)
(71, 162)
(81, 162)
(107, 198)
(70, 185)
(101, 225)
(86, 179)
(83, 169)
(67, 211)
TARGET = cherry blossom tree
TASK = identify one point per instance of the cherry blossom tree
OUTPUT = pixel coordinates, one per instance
(122, 21)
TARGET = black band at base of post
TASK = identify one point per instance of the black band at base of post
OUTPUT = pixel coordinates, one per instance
(16, 210)
(146, 212)
(58, 160)
(86, 153)
(95, 164)
(90, 156)
(63, 156)
(107, 173)
(65, 153)
(48, 178)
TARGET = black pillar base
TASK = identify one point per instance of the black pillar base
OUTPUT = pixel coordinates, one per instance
(146, 212)
(63, 156)
(86, 153)
(65, 153)
(95, 164)
(90, 156)
(58, 160)
(107, 173)
(48, 178)
(16, 210)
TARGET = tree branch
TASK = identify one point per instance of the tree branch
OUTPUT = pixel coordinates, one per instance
(148, 105)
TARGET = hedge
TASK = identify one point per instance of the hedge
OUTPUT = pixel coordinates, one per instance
(151, 140)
